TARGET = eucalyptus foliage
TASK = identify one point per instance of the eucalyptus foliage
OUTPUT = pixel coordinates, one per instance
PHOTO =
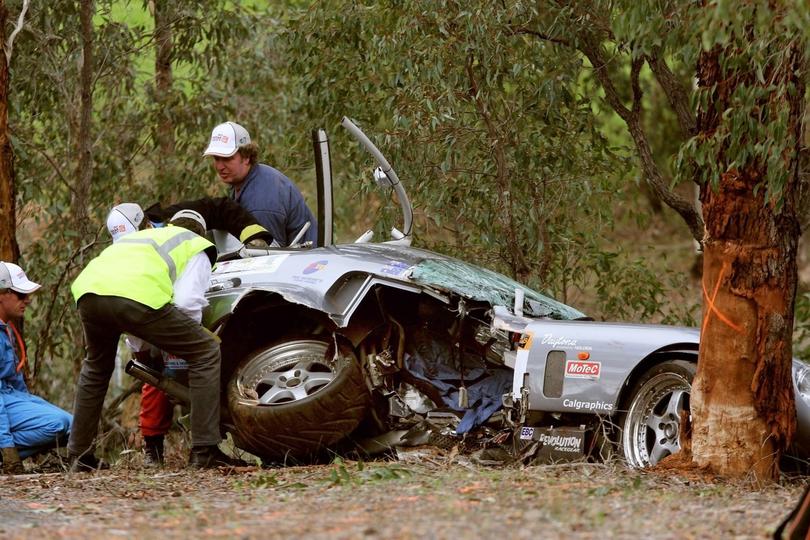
(210, 53)
(492, 130)
(488, 129)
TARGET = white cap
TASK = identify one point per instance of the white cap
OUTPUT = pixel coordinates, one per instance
(190, 214)
(124, 219)
(226, 140)
(12, 277)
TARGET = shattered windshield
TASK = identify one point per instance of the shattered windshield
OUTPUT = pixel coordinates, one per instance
(485, 285)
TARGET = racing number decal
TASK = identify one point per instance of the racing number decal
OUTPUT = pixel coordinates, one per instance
(525, 342)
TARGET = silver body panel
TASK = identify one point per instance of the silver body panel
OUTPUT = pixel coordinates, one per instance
(588, 363)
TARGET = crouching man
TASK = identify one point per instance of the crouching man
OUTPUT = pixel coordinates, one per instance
(28, 423)
(130, 288)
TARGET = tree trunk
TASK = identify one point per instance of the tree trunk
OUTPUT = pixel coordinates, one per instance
(742, 402)
(84, 142)
(9, 249)
(164, 127)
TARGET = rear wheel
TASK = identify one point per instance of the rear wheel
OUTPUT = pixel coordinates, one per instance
(651, 426)
(292, 399)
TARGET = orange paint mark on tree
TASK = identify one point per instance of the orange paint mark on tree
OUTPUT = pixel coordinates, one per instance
(712, 308)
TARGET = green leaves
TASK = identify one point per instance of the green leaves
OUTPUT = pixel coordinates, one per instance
(751, 45)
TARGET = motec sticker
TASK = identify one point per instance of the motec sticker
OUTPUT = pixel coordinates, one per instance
(581, 369)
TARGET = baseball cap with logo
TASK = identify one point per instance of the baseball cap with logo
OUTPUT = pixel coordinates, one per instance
(12, 277)
(124, 219)
(226, 140)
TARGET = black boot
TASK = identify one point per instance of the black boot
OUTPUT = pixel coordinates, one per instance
(153, 451)
(210, 457)
(87, 462)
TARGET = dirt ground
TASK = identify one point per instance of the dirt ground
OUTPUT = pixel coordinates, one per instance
(424, 494)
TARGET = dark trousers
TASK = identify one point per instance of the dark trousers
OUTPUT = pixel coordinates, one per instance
(104, 319)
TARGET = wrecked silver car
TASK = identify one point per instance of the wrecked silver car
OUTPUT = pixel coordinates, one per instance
(367, 346)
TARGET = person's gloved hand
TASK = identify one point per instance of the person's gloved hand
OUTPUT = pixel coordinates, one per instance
(256, 243)
(12, 464)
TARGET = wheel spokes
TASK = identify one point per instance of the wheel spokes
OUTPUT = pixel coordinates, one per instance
(275, 395)
(661, 449)
(292, 384)
(676, 403)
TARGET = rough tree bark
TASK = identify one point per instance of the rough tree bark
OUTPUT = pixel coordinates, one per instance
(82, 131)
(164, 127)
(9, 249)
(742, 401)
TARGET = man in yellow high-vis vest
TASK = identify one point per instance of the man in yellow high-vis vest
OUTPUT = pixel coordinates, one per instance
(129, 289)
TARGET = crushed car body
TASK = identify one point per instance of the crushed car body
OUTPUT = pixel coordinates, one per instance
(368, 346)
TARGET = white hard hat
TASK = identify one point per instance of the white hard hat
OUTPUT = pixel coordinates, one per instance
(12, 277)
(190, 214)
(124, 219)
(226, 139)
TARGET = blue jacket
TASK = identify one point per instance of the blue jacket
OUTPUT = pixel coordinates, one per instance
(276, 203)
(11, 381)
(10, 378)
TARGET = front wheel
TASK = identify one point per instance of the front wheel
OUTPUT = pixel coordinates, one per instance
(294, 398)
(650, 429)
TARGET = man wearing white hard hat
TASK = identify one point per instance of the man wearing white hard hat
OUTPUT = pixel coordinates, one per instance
(157, 409)
(218, 213)
(149, 269)
(123, 219)
(28, 423)
(273, 199)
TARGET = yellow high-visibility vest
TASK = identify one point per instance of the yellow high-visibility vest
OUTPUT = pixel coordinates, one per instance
(142, 266)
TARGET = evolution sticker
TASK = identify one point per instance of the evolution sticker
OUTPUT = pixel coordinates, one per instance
(581, 369)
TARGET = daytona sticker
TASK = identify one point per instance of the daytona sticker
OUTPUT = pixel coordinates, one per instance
(563, 342)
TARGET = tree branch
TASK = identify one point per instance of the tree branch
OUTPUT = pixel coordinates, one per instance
(516, 30)
(520, 266)
(17, 28)
(684, 207)
(676, 93)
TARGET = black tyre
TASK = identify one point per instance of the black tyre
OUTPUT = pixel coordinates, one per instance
(290, 400)
(651, 425)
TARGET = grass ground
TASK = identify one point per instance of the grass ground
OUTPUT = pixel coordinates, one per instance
(436, 496)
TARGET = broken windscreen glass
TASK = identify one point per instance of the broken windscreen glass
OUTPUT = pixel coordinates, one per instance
(485, 285)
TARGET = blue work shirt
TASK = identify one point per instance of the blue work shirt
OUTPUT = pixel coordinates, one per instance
(276, 203)
(10, 378)
(11, 381)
